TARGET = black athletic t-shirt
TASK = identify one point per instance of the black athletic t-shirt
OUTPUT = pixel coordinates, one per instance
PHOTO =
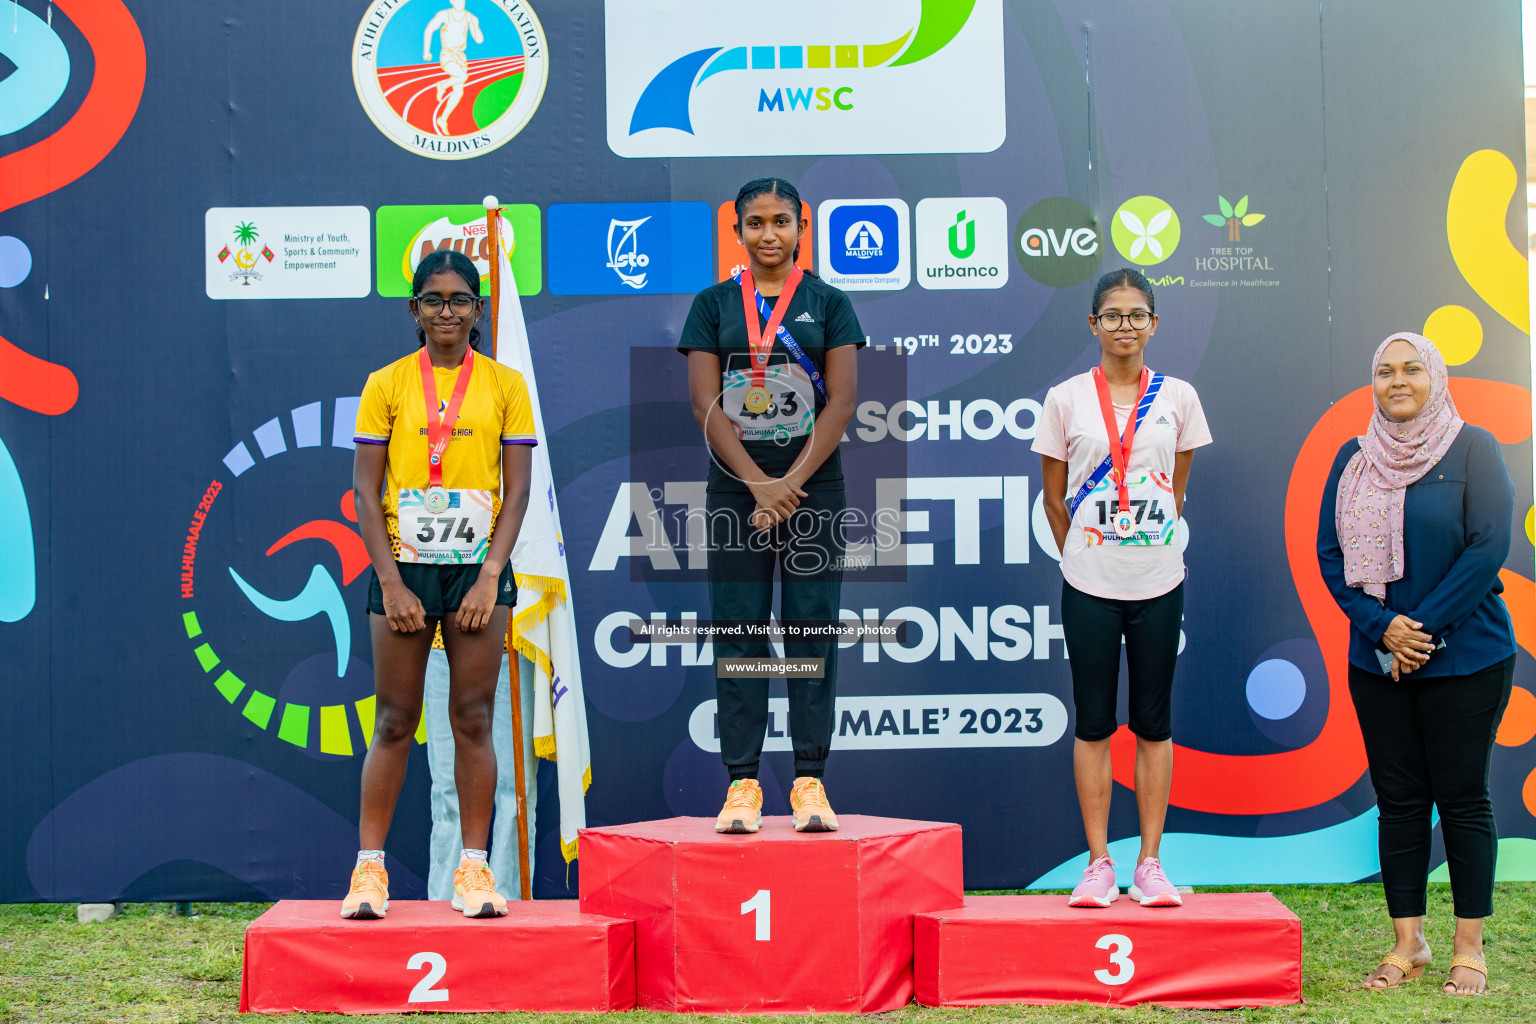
(819, 317)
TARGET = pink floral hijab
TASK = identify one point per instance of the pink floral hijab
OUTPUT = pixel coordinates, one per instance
(1392, 455)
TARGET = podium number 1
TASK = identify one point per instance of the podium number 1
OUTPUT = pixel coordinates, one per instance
(436, 968)
(758, 905)
(1120, 955)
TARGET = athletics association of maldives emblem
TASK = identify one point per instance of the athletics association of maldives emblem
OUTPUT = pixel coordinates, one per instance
(450, 79)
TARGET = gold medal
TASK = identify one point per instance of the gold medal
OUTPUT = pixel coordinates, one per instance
(756, 401)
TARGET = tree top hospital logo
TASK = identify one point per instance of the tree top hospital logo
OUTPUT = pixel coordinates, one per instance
(1145, 230)
(450, 79)
(703, 78)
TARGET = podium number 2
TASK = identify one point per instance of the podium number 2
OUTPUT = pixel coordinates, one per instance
(758, 906)
(1120, 955)
(436, 968)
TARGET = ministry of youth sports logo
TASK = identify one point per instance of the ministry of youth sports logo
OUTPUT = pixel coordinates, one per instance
(450, 79)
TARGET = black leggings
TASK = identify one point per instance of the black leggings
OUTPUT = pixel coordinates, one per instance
(1430, 741)
(1093, 627)
(808, 551)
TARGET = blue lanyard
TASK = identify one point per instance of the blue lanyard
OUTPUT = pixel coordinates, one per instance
(1153, 387)
(790, 343)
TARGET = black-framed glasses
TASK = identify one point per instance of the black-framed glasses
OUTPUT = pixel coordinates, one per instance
(459, 305)
(1139, 319)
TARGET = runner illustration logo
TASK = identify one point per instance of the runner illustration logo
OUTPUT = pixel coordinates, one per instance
(450, 79)
(844, 74)
(864, 244)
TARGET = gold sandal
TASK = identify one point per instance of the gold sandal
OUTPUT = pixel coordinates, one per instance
(1471, 963)
(1402, 963)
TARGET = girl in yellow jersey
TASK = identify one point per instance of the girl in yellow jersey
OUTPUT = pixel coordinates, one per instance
(443, 434)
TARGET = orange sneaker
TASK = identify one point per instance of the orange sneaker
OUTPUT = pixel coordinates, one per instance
(368, 898)
(474, 891)
(808, 799)
(743, 810)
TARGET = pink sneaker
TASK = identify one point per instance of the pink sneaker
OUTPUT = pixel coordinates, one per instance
(1151, 888)
(1098, 888)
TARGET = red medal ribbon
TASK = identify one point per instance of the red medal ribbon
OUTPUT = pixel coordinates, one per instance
(762, 344)
(440, 429)
(1120, 446)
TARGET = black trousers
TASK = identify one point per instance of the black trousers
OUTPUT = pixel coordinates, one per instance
(1092, 627)
(1430, 741)
(808, 551)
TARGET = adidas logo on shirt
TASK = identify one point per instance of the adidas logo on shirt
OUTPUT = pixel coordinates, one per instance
(1163, 420)
(805, 318)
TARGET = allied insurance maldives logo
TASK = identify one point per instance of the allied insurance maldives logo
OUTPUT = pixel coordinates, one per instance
(450, 79)
(705, 78)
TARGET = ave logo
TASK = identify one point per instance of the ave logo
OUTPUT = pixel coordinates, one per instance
(1058, 242)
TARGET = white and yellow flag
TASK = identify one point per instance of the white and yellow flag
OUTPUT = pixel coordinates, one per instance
(544, 623)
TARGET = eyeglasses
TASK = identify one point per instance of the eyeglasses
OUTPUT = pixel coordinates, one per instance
(1138, 320)
(460, 305)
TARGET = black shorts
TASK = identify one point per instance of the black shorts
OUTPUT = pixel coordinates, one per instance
(441, 588)
(1093, 627)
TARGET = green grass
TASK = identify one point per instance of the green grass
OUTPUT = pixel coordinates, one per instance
(150, 965)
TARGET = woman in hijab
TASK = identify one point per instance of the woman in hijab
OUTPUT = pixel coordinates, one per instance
(1414, 527)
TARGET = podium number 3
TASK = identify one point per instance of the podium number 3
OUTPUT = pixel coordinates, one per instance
(758, 905)
(1120, 955)
(436, 968)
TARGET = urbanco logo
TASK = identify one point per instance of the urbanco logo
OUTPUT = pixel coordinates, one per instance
(406, 234)
(1233, 218)
(864, 244)
(1058, 242)
(703, 78)
(962, 243)
(1145, 230)
(450, 79)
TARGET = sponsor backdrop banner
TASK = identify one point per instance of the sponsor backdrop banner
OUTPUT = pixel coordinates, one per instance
(209, 215)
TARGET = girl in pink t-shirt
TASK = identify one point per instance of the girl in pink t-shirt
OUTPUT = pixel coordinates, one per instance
(1114, 509)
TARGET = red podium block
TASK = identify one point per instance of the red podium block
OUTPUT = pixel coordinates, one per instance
(300, 956)
(1215, 952)
(776, 922)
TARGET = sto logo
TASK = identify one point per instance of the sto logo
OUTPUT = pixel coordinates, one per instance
(42, 70)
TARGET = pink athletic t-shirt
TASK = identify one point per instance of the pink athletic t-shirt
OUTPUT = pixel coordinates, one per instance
(1071, 429)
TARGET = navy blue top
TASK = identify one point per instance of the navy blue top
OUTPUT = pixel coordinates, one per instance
(1457, 521)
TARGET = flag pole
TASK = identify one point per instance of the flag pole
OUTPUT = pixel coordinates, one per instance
(493, 229)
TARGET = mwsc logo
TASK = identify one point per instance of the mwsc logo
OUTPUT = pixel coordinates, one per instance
(685, 77)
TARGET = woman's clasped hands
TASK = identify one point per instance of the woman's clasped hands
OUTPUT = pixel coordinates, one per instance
(1410, 647)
